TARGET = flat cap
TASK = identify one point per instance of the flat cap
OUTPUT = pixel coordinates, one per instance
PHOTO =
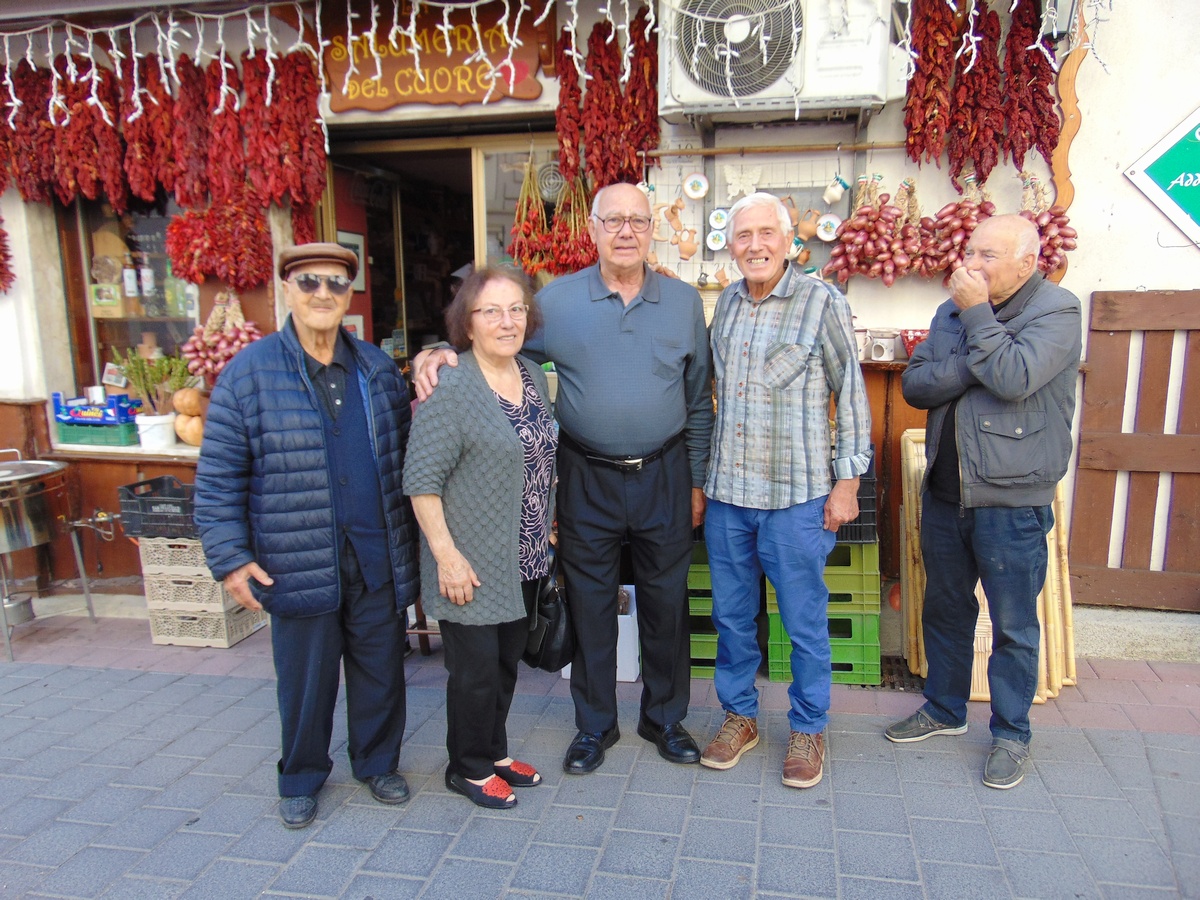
(318, 252)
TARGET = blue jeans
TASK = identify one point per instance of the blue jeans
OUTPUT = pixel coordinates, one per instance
(790, 546)
(1005, 548)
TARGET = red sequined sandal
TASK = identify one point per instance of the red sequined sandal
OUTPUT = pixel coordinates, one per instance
(494, 793)
(518, 774)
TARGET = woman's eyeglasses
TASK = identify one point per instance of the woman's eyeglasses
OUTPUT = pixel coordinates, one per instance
(309, 284)
(493, 314)
(613, 224)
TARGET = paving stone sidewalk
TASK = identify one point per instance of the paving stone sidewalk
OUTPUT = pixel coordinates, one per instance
(128, 783)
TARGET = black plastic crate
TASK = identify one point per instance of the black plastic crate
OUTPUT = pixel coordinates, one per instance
(863, 529)
(159, 507)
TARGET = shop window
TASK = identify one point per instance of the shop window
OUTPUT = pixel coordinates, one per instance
(131, 298)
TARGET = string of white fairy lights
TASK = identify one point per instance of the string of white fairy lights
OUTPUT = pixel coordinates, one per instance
(171, 26)
(407, 38)
(164, 31)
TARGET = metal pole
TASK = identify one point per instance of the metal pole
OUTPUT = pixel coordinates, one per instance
(3, 603)
(87, 593)
(788, 148)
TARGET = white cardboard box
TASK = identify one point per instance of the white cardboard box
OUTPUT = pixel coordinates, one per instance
(628, 660)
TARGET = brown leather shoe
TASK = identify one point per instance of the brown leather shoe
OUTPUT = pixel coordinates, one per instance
(737, 735)
(805, 759)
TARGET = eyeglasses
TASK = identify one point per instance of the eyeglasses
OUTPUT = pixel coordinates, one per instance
(308, 283)
(613, 224)
(493, 314)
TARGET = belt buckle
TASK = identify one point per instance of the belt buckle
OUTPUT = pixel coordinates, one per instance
(633, 465)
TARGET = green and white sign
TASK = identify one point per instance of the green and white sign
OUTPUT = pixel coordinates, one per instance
(1169, 174)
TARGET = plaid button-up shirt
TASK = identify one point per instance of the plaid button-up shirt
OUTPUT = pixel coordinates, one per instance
(777, 363)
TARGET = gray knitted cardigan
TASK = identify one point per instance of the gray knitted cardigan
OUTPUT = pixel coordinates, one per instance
(463, 448)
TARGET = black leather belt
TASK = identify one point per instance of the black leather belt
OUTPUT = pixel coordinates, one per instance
(620, 463)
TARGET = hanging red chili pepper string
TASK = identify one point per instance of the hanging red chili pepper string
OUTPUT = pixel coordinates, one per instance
(568, 118)
(74, 144)
(138, 131)
(33, 135)
(190, 135)
(570, 245)
(601, 106)
(110, 146)
(226, 156)
(641, 97)
(530, 240)
(230, 242)
(160, 110)
(1030, 109)
(927, 103)
(976, 131)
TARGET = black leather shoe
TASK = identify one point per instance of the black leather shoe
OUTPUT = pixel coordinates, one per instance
(390, 788)
(673, 741)
(297, 812)
(586, 752)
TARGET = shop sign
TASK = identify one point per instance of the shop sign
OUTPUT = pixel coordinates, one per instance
(446, 68)
(1169, 174)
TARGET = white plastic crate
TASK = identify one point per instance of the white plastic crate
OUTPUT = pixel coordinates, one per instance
(222, 629)
(183, 557)
(187, 594)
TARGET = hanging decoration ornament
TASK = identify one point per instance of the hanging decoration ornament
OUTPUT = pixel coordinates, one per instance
(571, 247)
(530, 238)
(1030, 109)
(620, 106)
(976, 132)
(568, 118)
(927, 102)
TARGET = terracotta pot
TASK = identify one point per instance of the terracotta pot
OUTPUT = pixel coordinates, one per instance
(806, 228)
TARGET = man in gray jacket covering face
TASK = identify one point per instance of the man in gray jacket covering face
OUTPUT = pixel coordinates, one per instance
(997, 375)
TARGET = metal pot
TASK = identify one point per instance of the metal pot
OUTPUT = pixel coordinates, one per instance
(33, 503)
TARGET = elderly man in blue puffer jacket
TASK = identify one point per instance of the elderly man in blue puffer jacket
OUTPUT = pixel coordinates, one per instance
(301, 512)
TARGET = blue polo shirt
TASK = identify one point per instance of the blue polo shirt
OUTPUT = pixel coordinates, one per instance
(630, 377)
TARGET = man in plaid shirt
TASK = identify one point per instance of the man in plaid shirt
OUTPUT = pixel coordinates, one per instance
(783, 344)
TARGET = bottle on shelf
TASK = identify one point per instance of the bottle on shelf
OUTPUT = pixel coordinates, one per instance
(129, 278)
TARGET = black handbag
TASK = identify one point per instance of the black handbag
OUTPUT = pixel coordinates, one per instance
(551, 641)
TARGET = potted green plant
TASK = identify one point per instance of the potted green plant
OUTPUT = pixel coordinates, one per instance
(155, 381)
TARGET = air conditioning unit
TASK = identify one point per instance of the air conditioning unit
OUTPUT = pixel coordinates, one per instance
(762, 60)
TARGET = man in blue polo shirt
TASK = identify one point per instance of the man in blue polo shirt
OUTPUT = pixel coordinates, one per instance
(635, 409)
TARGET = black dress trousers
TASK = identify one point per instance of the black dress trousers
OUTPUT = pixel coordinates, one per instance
(598, 508)
(481, 662)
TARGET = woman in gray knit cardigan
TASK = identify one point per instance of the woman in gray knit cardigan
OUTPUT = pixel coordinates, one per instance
(479, 469)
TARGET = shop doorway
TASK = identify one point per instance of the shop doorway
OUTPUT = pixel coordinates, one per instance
(426, 211)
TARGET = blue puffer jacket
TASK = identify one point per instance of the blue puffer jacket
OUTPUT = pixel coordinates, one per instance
(263, 486)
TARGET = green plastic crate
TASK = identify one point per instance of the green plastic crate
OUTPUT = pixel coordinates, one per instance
(853, 642)
(867, 602)
(700, 606)
(699, 589)
(703, 671)
(704, 638)
(852, 582)
(124, 435)
(860, 558)
(704, 646)
(843, 673)
(850, 593)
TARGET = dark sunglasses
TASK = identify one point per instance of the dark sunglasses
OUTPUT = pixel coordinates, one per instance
(337, 284)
